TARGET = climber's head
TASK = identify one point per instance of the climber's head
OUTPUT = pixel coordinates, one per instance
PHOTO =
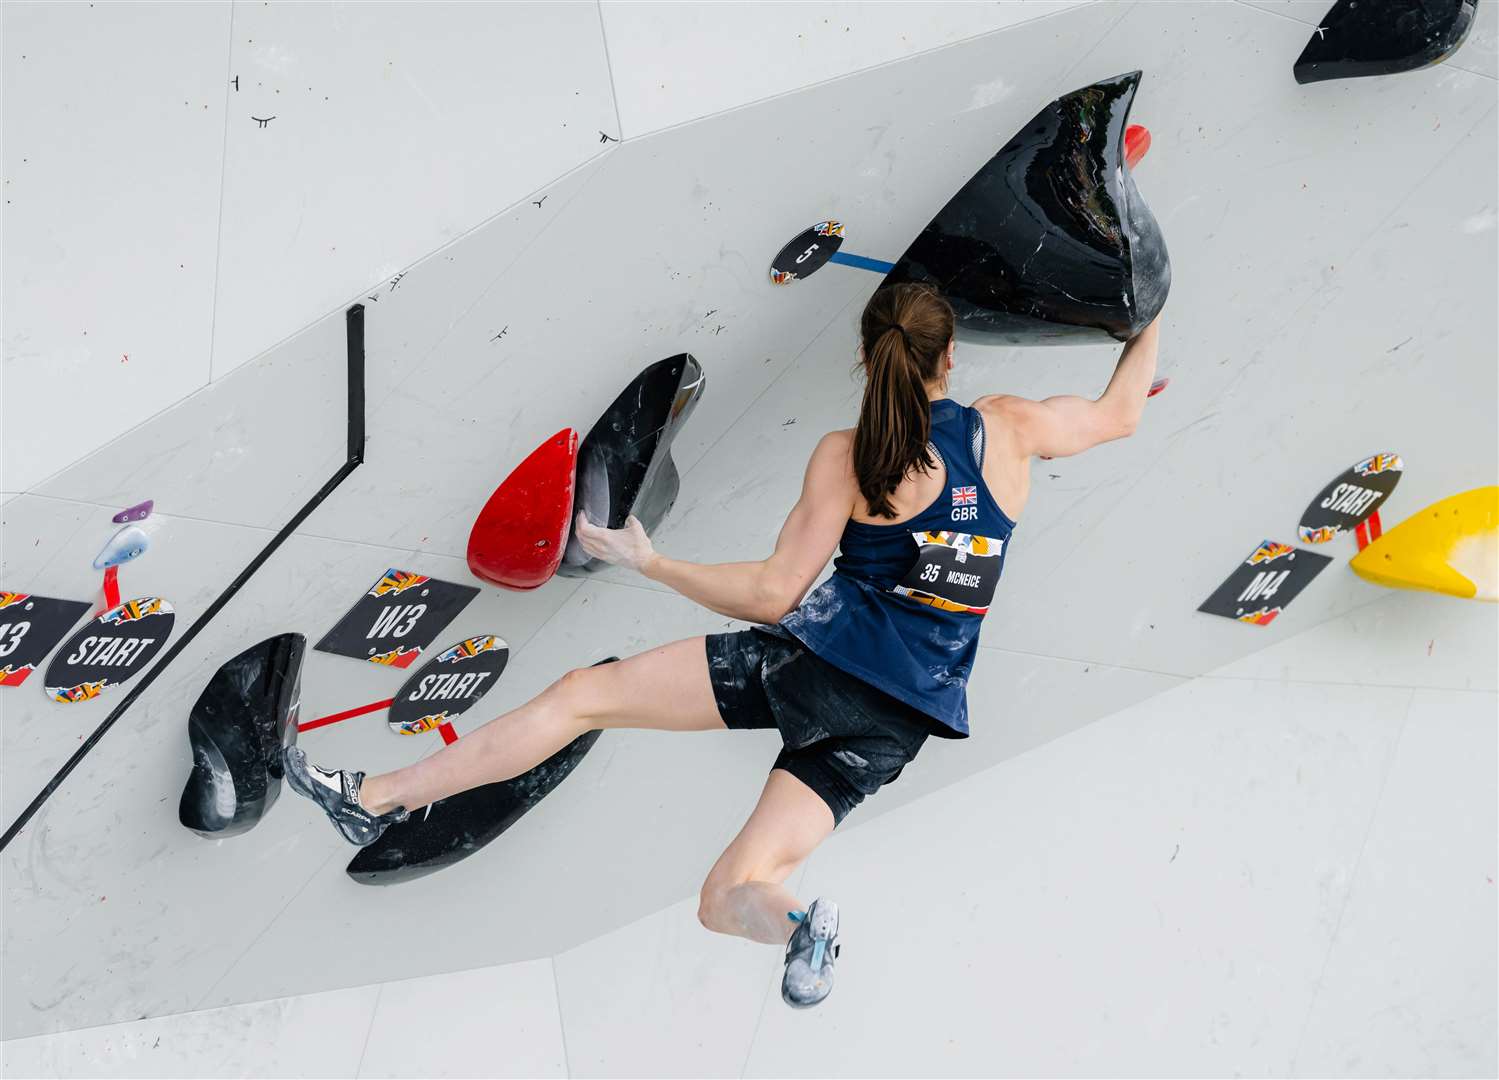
(906, 350)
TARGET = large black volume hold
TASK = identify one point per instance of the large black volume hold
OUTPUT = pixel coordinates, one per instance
(1050, 243)
(624, 462)
(1383, 37)
(238, 726)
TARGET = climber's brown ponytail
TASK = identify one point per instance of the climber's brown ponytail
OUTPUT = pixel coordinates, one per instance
(905, 331)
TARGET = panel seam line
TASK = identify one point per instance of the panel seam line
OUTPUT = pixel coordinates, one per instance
(619, 127)
(1358, 861)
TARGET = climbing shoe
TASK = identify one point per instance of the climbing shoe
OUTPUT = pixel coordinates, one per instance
(338, 794)
(809, 956)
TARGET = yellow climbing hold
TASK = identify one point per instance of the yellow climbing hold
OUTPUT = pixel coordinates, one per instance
(1451, 547)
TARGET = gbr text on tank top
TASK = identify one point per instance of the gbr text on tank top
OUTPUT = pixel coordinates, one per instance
(905, 603)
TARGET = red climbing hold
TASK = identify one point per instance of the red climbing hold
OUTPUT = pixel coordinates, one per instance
(1136, 144)
(518, 538)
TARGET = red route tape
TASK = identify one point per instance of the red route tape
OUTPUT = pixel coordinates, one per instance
(111, 587)
(333, 718)
(1369, 530)
(449, 736)
(1136, 144)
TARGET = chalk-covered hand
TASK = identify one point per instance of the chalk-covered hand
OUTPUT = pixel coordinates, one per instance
(623, 547)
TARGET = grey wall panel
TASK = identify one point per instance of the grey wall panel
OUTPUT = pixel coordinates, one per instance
(114, 136)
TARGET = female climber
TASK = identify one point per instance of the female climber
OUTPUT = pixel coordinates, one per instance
(919, 499)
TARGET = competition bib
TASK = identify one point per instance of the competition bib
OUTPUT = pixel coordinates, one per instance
(953, 571)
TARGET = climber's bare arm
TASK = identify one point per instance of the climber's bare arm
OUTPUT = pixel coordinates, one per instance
(1068, 424)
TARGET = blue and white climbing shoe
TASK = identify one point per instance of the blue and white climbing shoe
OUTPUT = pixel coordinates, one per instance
(338, 794)
(809, 956)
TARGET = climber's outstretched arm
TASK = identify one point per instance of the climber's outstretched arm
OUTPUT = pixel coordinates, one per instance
(1068, 424)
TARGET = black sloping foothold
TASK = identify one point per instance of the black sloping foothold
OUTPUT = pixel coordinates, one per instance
(624, 463)
(452, 829)
(1383, 37)
(1050, 243)
(238, 726)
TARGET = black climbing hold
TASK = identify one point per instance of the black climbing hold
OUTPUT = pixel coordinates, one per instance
(1383, 37)
(624, 463)
(1050, 243)
(452, 829)
(241, 721)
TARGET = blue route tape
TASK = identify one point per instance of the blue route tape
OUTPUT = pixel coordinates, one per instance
(861, 262)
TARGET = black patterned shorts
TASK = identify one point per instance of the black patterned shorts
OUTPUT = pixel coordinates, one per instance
(842, 737)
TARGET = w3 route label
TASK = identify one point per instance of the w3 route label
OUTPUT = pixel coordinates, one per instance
(397, 617)
(954, 571)
(1263, 585)
(29, 627)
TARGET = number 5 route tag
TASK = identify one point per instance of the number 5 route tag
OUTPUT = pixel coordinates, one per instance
(954, 571)
(806, 252)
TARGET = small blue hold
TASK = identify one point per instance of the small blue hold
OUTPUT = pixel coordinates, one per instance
(129, 543)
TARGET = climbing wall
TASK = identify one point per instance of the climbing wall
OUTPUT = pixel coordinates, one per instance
(531, 203)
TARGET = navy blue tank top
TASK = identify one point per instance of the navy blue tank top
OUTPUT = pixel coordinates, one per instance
(903, 607)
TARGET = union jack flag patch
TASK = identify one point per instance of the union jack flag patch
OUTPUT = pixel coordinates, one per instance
(965, 496)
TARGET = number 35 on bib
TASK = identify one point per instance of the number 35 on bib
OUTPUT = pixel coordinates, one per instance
(953, 571)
